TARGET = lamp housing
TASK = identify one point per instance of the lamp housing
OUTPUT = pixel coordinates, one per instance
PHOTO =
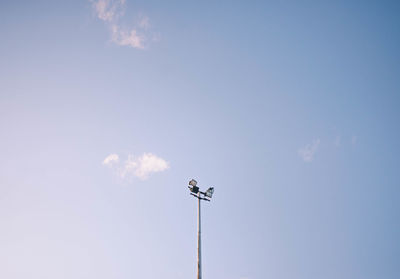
(194, 189)
(193, 183)
(209, 192)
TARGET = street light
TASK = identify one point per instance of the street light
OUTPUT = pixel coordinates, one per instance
(195, 191)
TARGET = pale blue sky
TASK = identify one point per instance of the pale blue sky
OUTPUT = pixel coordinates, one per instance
(290, 109)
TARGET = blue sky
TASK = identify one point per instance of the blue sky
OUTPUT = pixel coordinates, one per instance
(288, 108)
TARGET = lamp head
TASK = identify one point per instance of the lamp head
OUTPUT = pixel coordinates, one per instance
(194, 189)
(209, 192)
(193, 182)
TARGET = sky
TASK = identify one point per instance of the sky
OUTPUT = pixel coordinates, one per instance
(289, 109)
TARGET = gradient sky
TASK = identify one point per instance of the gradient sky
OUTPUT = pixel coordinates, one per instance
(290, 109)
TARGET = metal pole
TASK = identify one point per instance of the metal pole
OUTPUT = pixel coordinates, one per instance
(198, 241)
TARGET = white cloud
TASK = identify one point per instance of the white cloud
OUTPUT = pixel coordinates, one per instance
(127, 38)
(129, 167)
(308, 151)
(110, 11)
(149, 163)
(111, 160)
(141, 167)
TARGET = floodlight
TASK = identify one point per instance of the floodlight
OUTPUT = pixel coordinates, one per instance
(194, 189)
(209, 192)
(193, 183)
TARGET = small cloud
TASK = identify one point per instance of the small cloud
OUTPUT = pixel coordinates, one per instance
(308, 152)
(111, 11)
(126, 38)
(129, 167)
(148, 164)
(111, 159)
(108, 10)
(141, 167)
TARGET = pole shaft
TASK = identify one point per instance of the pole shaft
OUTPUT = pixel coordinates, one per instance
(198, 241)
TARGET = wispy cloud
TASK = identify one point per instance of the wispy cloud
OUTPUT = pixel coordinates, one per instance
(111, 11)
(308, 151)
(148, 164)
(111, 159)
(141, 167)
(126, 37)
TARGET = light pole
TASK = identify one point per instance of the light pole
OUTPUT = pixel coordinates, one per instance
(195, 191)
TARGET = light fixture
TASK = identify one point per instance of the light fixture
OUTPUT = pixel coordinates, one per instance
(209, 192)
(194, 189)
(193, 182)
